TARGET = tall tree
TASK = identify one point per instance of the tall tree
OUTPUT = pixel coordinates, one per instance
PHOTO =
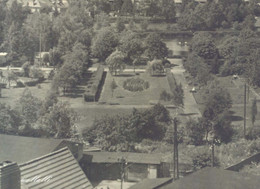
(155, 47)
(29, 106)
(127, 7)
(115, 62)
(104, 43)
(59, 121)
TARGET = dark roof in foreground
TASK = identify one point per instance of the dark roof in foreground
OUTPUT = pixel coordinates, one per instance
(58, 169)
(21, 149)
(114, 157)
(151, 183)
(214, 178)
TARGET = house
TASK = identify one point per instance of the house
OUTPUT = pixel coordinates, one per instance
(36, 5)
(39, 57)
(137, 166)
(58, 169)
(22, 149)
(152, 183)
(215, 178)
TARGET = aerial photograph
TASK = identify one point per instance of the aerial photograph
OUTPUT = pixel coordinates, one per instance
(129, 94)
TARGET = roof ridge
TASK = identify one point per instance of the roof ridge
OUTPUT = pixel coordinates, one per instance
(42, 157)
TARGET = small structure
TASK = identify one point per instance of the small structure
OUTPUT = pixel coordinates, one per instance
(137, 166)
(58, 169)
(38, 59)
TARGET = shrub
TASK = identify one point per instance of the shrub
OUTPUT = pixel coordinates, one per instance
(165, 96)
(135, 84)
(35, 72)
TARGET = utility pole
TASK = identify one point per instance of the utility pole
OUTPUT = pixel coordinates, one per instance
(245, 111)
(123, 162)
(175, 151)
(212, 153)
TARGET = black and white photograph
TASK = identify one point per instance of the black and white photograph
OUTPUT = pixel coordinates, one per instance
(129, 94)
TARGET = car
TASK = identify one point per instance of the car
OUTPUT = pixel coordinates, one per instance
(193, 90)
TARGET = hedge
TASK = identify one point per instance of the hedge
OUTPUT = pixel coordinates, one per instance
(94, 85)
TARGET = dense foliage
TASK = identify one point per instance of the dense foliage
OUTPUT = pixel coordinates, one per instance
(120, 133)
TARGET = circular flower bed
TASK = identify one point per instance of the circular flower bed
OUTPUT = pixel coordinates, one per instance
(135, 84)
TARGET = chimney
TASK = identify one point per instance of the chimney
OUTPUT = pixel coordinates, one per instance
(10, 177)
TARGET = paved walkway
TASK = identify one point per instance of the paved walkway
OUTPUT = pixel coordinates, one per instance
(190, 105)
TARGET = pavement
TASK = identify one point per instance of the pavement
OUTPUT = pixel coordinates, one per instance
(190, 105)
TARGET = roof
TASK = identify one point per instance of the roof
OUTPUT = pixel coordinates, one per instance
(58, 169)
(151, 183)
(214, 178)
(114, 157)
(21, 149)
(3, 53)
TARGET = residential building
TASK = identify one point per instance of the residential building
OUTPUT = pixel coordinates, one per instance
(22, 149)
(100, 166)
(58, 170)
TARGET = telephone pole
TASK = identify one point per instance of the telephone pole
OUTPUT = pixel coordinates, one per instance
(123, 162)
(245, 111)
(175, 151)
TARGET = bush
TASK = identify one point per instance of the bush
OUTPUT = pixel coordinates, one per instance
(165, 96)
(36, 73)
(135, 84)
(201, 157)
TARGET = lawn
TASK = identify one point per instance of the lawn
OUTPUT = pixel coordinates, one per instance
(236, 90)
(125, 97)
(12, 95)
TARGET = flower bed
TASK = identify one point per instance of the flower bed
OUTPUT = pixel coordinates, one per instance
(135, 84)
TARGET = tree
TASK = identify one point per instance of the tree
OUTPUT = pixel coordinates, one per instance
(155, 48)
(113, 86)
(36, 73)
(117, 4)
(46, 58)
(55, 57)
(252, 68)
(59, 121)
(195, 132)
(10, 120)
(167, 8)
(217, 100)
(127, 7)
(253, 111)
(104, 43)
(115, 62)
(120, 25)
(203, 45)
(131, 44)
(29, 106)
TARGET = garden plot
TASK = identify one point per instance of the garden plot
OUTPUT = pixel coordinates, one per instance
(149, 95)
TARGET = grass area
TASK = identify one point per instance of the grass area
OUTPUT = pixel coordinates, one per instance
(12, 95)
(124, 97)
(236, 90)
